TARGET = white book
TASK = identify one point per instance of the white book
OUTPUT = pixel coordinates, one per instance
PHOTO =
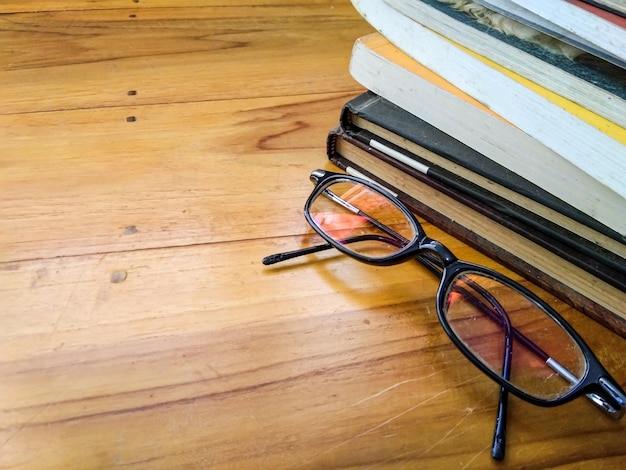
(593, 89)
(542, 142)
(617, 6)
(564, 20)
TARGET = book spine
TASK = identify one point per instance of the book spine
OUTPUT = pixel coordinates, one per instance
(385, 116)
(599, 263)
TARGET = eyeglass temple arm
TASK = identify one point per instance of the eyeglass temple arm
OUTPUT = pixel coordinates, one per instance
(498, 446)
(278, 257)
(284, 256)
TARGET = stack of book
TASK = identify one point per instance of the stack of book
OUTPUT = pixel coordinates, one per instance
(504, 126)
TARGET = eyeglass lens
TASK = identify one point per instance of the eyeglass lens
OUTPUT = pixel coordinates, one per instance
(546, 362)
(361, 219)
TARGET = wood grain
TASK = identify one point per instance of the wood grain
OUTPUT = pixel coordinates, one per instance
(178, 174)
(93, 58)
(140, 328)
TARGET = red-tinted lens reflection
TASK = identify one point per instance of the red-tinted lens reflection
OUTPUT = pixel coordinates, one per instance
(546, 361)
(363, 220)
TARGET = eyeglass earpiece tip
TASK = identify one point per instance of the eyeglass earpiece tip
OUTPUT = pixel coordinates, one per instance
(497, 451)
(271, 259)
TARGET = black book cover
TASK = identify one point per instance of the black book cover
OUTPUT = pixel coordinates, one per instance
(381, 112)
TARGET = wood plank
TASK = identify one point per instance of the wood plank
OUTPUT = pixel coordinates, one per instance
(314, 364)
(140, 328)
(12, 6)
(173, 55)
(179, 175)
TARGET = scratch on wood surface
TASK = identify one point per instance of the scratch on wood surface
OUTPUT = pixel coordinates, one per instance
(445, 436)
(21, 426)
(382, 392)
(469, 411)
(478, 454)
(378, 426)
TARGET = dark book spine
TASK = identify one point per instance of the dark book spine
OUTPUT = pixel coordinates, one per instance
(600, 264)
(379, 111)
(597, 258)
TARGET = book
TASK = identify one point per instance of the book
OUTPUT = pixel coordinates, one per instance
(593, 30)
(603, 264)
(381, 67)
(583, 138)
(575, 79)
(370, 117)
(614, 6)
(611, 14)
(464, 217)
(591, 7)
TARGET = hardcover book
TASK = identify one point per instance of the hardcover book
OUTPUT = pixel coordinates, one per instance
(478, 225)
(388, 122)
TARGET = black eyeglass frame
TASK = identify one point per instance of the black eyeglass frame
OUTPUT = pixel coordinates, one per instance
(596, 381)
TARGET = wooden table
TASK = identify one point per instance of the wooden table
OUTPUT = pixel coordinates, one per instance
(152, 152)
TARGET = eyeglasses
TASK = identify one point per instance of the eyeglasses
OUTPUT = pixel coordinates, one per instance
(504, 329)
